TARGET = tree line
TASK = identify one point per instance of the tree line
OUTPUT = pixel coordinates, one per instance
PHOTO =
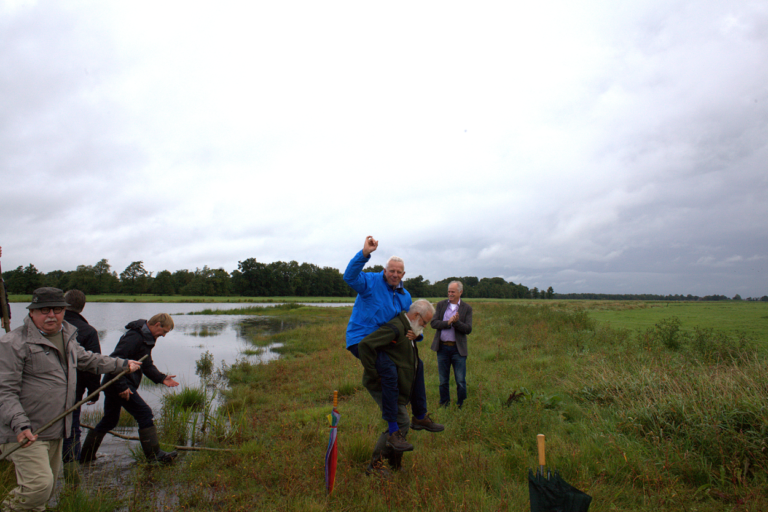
(250, 279)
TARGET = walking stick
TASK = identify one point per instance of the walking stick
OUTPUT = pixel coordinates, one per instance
(5, 316)
(71, 409)
(180, 448)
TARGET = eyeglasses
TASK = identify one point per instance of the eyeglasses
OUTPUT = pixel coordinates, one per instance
(56, 310)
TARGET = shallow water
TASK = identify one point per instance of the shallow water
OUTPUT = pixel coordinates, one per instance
(226, 337)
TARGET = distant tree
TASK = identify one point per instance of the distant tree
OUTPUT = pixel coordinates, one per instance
(182, 278)
(535, 293)
(57, 279)
(106, 279)
(83, 279)
(162, 284)
(764, 298)
(375, 268)
(23, 279)
(550, 292)
(135, 279)
(417, 286)
(737, 297)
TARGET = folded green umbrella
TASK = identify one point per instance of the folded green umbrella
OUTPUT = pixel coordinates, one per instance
(550, 493)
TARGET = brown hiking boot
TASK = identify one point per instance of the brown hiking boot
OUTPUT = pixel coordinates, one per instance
(426, 424)
(398, 443)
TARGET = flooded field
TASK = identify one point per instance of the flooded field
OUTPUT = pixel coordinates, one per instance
(226, 337)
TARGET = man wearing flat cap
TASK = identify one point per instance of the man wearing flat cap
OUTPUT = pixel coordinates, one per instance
(38, 376)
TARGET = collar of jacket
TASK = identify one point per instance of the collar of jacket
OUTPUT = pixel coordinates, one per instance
(34, 335)
(147, 335)
(399, 288)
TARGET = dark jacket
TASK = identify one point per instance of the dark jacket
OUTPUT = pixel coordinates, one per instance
(462, 327)
(390, 338)
(135, 344)
(88, 338)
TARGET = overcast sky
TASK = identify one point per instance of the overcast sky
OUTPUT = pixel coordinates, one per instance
(593, 146)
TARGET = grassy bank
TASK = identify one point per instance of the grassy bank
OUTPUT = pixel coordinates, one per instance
(644, 410)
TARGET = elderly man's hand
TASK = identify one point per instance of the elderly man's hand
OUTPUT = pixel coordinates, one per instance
(369, 246)
(24, 436)
(168, 381)
(125, 395)
(133, 365)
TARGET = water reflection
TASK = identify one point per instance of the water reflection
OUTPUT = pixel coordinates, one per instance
(226, 337)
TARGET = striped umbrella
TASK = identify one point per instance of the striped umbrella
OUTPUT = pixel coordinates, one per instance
(332, 451)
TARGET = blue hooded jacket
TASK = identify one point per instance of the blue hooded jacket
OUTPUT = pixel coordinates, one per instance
(376, 304)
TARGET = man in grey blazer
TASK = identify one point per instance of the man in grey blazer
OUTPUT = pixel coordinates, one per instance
(452, 322)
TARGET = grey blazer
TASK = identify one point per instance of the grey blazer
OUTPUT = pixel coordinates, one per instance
(462, 327)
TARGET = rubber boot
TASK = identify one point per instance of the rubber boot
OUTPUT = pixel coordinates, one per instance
(91, 446)
(395, 460)
(151, 446)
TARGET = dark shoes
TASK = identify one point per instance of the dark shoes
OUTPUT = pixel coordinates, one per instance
(426, 424)
(151, 447)
(91, 446)
(398, 443)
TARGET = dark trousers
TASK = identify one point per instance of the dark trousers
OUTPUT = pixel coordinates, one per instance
(389, 391)
(135, 405)
(387, 370)
(447, 357)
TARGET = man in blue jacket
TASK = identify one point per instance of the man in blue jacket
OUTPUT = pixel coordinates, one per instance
(381, 297)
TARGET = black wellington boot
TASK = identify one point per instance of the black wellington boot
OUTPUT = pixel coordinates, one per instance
(91, 446)
(151, 447)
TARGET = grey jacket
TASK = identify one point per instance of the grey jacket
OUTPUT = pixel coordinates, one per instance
(462, 327)
(35, 387)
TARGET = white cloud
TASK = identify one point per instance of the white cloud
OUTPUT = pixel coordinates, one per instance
(595, 147)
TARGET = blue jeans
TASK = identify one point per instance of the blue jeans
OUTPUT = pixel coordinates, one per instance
(387, 370)
(135, 405)
(389, 391)
(447, 357)
(71, 447)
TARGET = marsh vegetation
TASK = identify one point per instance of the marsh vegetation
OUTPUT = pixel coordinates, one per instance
(666, 414)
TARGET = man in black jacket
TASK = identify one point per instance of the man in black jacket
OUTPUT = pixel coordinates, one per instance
(138, 341)
(88, 338)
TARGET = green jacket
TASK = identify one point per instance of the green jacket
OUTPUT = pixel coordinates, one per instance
(390, 338)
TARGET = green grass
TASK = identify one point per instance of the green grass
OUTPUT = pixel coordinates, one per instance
(643, 412)
(747, 317)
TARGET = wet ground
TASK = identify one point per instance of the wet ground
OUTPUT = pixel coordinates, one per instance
(226, 337)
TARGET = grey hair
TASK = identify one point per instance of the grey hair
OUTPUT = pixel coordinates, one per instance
(422, 307)
(397, 259)
(458, 283)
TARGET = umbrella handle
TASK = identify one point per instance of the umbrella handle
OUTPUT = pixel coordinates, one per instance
(540, 444)
(335, 399)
